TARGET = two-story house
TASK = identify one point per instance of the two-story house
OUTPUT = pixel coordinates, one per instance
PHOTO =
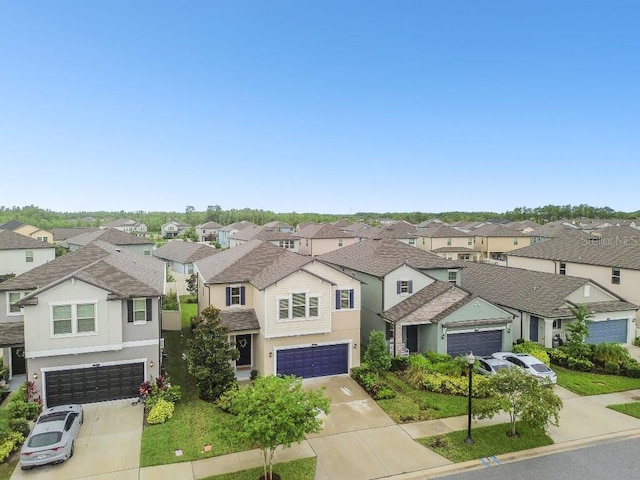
(136, 244)
(91, 323)
(540, 302)
(173, 228)
(413, 296)
(266, 234)
(208, 231)
(286, 313)
(225, 232)
(400, 230)
(28, 230)
(448, 242)
(128, 226)
(320, 238)
(180, 256)
(493, 240)
(19, 253)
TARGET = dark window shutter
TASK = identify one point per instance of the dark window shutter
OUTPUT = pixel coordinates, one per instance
(410, 287)
(351, 298)
(242, 296)
(228, 296)
(399, 285)
(149, 310)
(130, 311)
(337, 299)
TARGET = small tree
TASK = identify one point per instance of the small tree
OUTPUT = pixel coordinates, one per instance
(210, 355)
(274, 412)
(189, 235)
(192, 284)
(377, 355)
(578, 331)
(522, 396)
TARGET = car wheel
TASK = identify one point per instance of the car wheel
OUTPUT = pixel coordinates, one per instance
(25, 468)
(73, 444)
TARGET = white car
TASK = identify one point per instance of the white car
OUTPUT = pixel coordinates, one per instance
(491, 365)
(529, 364)
(53, 436)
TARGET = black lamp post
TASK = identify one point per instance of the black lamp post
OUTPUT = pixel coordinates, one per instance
(470, 360)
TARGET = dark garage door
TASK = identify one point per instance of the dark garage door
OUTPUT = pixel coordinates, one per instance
(314, 361)
(93, 384)
(480, 343)
(607, 331)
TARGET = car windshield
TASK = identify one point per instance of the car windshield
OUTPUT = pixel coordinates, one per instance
(541, 367)
(499, 367)
(44, 439)
(53, 417)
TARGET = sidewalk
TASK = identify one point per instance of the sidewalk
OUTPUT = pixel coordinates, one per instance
(575, 430)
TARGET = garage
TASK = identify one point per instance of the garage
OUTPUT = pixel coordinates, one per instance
(314, 361)
(93, 384)
(480, 343)
(608, 331)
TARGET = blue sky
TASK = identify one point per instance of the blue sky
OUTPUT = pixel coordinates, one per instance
(319, 106)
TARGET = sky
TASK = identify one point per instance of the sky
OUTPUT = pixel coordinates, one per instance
(326, 106)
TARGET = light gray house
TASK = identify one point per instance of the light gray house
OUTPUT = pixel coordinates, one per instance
(413, 296)
(208, 232)
(173, 228)
(91, 323)
(180, 256)
(224, 233)
(115, 237)
(19, 253)
(128, 226)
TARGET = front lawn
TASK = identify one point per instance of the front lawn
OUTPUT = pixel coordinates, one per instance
(302, 469)
(411, 405)
(584, 383)
(632, 409)
(488, 441)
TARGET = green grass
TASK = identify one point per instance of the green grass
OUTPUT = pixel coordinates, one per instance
(302, 469)
(188, 310)
(488, 441)
(411, 405)
(632, 409)
(584, 383)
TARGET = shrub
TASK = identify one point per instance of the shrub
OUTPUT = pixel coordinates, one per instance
(160, 389)
(399, 364)
(579, 364)
(20, 425)
(636, 341)
(631, 369)
(161, 412)
(371, 383)
(170, 301)
(435, 357)
(18, 408)
(225, 401)
(385, 394)
(253, 375)
(606, 352)
(534, 349)
(9, 443)
(612, 368)
(558, 356)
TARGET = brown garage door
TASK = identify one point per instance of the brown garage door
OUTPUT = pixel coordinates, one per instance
(93, 384)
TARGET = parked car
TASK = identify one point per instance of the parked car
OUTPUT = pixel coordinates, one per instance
(53, 436)
(529, 364)
(491, 365)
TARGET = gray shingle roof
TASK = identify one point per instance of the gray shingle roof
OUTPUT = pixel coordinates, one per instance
(121, 222)
(498, 230)
(617, 247)
(421, 298)
(323, 230)
(237, 225)
(60, 234)
(442, 231)
(397, 230)
(239, 320)
(10, 240)
(109, 235)
(184, 252)
(379, 257)
(11, 225)
(454, 249)
(11, 334)
(209, 225)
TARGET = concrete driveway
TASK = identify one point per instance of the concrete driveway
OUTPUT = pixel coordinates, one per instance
(359, 441)
(107, 448)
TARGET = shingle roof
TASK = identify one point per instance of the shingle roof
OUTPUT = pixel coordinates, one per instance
(109, 235)
(11, 225)
(11, 334)
(210, 224)
(442, 231)
(237, 225)
(395, 230)
(617, 247)
(60, 234)
(121, 222)
(422, 297)
(498, 230)
(454, 249)
(542, 294)
(10, 240)
(184, 252)
(121, 272)
(239, 320)
(323, 230)
(277, 224)
(379, 257)
(258, 262)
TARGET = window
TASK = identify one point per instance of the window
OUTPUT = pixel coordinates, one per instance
(287, 244)
(563, 268)
(448, 242)
(515, 241)
(298, 306)
(43, 239)
(587, 290)
(139, 310)
(340, 242)
(73, 319)
(557, 324)
(29, 256)
(469, 241)
(147, 252)
(235, 295)
(453, 276)
(344, 299)
(404, 287)
(190, 269)
(412, 241)
(13, 298)
(615, 276)
(464, 256)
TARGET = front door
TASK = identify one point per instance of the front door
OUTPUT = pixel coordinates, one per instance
(18, 366)
(411, 341)
(533, 328)
(243, 344)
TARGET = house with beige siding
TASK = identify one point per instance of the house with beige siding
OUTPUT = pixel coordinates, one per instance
(448, 242)
(493, 240)
(414, 297)
(208, 231)
(610, 257)
(320, 238)
(400, 230)
(91, 323)
(28, 231)
(286, 313)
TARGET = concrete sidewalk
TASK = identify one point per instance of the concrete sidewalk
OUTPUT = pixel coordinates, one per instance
(583, 420)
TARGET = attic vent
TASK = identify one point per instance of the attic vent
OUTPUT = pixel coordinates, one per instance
(536, 287)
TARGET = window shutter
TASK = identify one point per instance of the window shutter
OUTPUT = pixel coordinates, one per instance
(410, 286)
(228, 296)
(130, 311)
(399, 286)
(337, 299)
(149, 310)
(242, 296)
(351, 298)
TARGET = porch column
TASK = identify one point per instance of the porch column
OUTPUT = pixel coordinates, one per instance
(548, 333)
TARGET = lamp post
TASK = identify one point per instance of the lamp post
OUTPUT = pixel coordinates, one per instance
(470, 360)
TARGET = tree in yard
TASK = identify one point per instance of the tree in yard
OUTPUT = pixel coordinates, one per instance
(189, 235)
(578, 331)
(377, 355)
(522, 396)
(273, 412)
(192, 284)
(209, 355)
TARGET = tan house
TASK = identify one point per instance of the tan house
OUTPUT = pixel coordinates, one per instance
(401, 230)
(448, 242)
(320, 238)
(286, 313)
(28, 231)
(273, 235)
(493, 240)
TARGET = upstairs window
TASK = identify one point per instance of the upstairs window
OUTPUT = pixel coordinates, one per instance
(235, 295)
(448, 242)
(515, 241)
(344, 299)
(339, 242)
(288, 244)
(563, 268)
(298, 306)
(453, 276)
(404, 287)
(469, 241)
(29, 256)
(615, 276)
(412, 241)
(139, 310)
(13, 297)
(73, 319)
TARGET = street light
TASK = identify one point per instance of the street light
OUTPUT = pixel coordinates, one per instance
(470, 360)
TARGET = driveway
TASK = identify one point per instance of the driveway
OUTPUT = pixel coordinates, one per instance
(359, 441)
(107, 448)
